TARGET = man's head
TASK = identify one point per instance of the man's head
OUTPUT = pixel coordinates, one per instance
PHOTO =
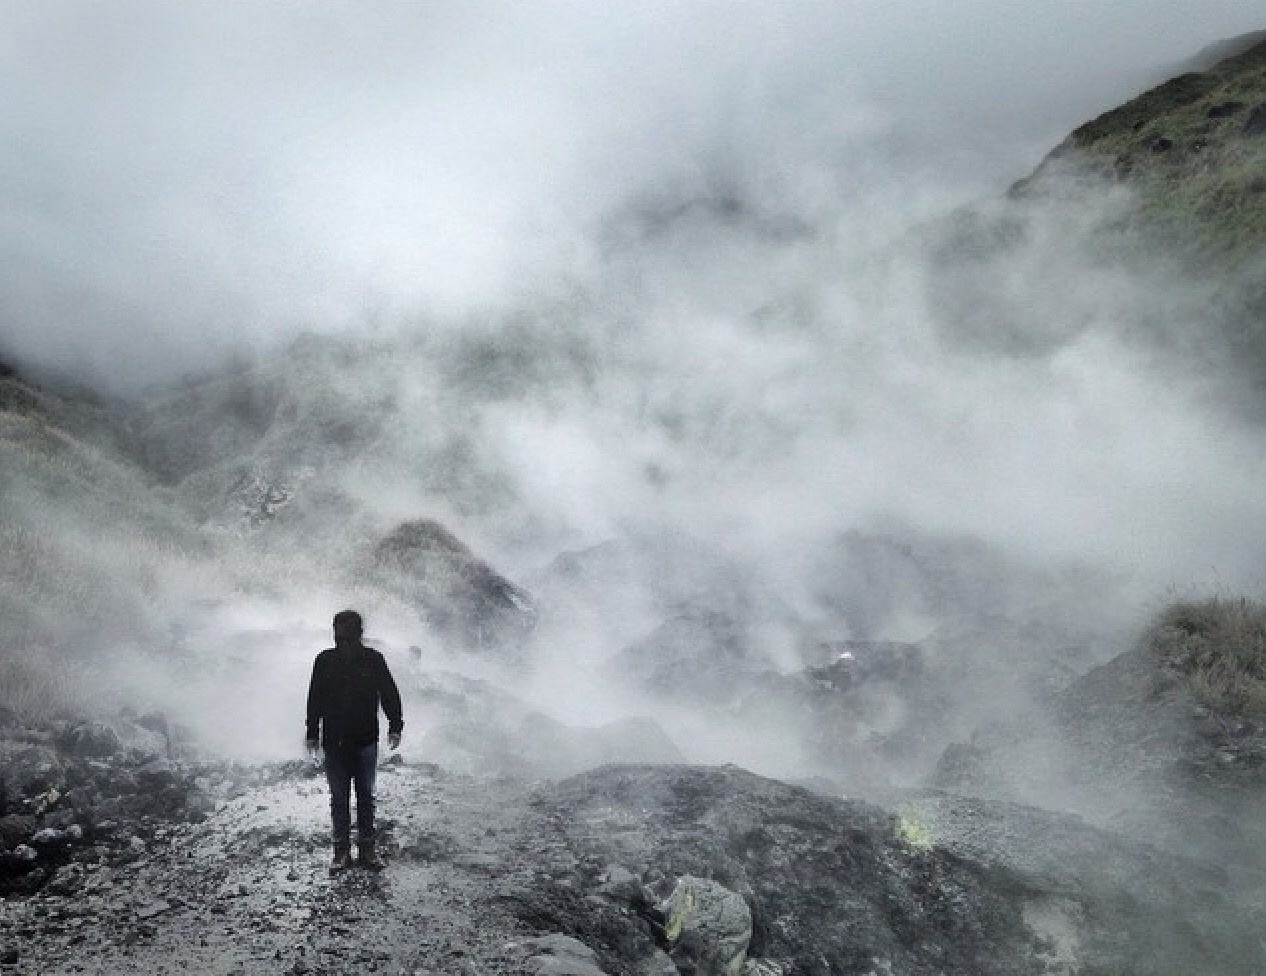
(348, 625)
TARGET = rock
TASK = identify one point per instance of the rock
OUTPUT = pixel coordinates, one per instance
(89, 740)
(66, 880)
(560, 945)
(617, 875)
(17, 827)
(657, 963)
(564, 966)
(49, 837)
(622, 884)
(32, 881)
(41, 804)
(1224, 110)
(61, 819)
(9, 956)
(153, 909)
(708, 925)
(561, 955)
(26, 854)
(1161, 145)
(157, 774)
(796, 858)
(1255, 125)
(460, 593)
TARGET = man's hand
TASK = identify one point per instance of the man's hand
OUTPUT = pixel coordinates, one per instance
(313, 745)
(393, 740)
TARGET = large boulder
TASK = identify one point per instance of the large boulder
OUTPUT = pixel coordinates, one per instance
(797, 882)
(89, 740)
(708, 926)
(460, 594)
(561, 955)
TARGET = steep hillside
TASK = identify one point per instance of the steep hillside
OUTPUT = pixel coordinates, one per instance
(1193, 150)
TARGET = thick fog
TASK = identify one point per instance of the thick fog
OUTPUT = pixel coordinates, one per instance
(653, 276)
(184, 180)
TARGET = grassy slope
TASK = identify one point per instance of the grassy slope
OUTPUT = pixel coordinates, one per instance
(1186, 148)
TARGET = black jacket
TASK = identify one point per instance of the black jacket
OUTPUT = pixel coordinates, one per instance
(349, 682)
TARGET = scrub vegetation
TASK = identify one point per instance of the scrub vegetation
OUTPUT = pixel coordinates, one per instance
(1219, 645)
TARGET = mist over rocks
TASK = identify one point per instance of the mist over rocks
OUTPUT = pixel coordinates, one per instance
(777, 451)
(460, 595)
(77, 798)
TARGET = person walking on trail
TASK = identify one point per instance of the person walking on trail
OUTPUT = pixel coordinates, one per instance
(349, 683)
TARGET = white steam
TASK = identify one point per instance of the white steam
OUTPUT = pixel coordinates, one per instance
(651, 274)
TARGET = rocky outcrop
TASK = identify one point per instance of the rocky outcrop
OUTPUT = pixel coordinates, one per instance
(708, 927)
(833, 886)
(76, 795)
(460, 595)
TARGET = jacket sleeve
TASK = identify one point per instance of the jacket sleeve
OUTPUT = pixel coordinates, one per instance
(389, 695)
(316, 700)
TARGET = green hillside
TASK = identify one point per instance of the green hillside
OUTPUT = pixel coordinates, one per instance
(1193, 150)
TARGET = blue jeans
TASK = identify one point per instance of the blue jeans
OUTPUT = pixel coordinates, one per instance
(342, 768)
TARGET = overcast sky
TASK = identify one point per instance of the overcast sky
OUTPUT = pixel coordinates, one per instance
(177, 179)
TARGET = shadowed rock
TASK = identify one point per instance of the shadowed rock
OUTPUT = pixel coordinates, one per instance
(460, 594)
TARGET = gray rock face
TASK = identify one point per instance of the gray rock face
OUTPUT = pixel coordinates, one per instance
(708, 926)
(90, 740)
(460, 594)
(561, 955)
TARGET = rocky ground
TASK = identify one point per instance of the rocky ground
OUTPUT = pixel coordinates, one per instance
(625, 870)
(1129, 747)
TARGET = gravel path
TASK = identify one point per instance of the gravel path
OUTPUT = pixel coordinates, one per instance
(248, 891)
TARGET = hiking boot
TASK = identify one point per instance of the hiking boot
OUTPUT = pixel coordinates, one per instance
(342, 858)
(369, 857)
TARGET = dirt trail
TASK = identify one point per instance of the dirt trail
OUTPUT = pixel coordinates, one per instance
(248, 891)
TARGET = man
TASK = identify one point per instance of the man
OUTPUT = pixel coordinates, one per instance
(349, 682)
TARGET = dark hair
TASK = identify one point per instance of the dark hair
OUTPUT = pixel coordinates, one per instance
(348, 625)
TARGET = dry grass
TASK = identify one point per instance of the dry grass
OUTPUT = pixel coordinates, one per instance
(1220, 645)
